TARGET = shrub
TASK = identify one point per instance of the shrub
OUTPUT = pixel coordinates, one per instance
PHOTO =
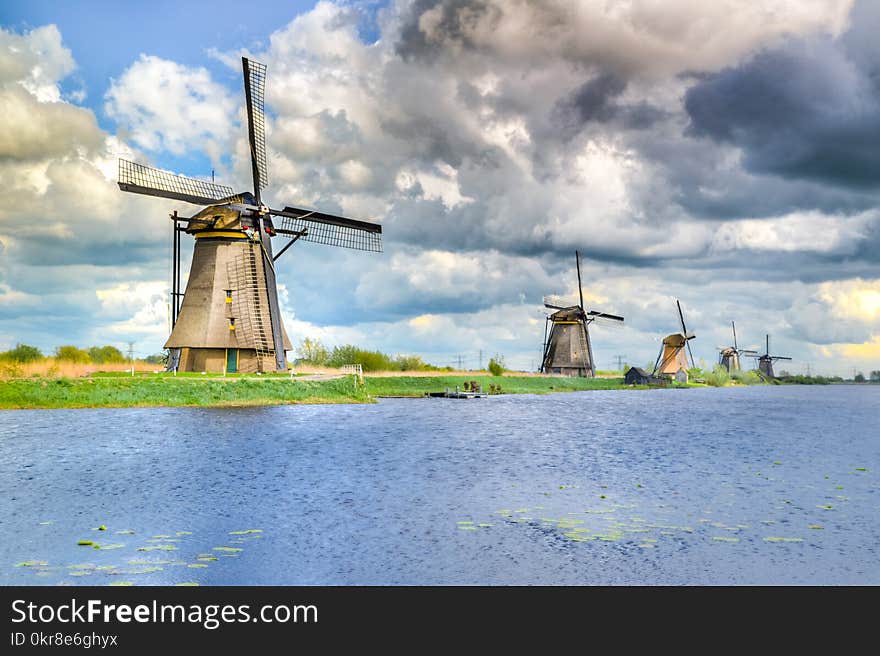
(369, 360)
(69, 353)
(106, 355)
(313, 351)
(718, 377)
(22, 353)
(496, 368)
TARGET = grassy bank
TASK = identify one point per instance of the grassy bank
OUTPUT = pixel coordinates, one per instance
(126, 392)
(114, 390)
(418, 385)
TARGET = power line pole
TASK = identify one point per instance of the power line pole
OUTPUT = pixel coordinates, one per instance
(481, 359)
(620, 359)
(459, 362)
(131, 356)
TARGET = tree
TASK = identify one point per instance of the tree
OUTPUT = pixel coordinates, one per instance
(496, 368)
(875, 376)
(22, 353)
(70, 353)
(157, 358)
(106, 355)
(313, 351)
(859, 378)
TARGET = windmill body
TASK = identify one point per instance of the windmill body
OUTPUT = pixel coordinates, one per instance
(765, 361)
(224, 323)
(230, 318)
(567, 347)
(729, 356)
(674, 349)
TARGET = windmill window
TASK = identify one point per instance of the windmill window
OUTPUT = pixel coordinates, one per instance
(228, 296)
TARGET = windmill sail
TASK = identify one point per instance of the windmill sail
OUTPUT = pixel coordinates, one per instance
(140, 179)
(331, 230)
(255, 96)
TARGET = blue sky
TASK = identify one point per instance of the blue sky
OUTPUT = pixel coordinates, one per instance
(724, 154)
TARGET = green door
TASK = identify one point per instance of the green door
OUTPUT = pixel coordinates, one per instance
(231, 361)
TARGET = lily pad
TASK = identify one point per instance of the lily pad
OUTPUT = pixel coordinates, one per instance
(85, 543)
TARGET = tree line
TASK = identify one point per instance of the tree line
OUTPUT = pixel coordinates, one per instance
(24, 353)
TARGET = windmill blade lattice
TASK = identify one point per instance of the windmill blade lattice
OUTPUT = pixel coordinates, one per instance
(140, 179)
(332, 230)
(255, 94)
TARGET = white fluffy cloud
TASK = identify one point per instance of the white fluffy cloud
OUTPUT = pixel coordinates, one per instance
(166, 106)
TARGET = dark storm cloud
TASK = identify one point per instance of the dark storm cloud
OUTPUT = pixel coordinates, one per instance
(805, 111)
(594, 101)
(454, 21)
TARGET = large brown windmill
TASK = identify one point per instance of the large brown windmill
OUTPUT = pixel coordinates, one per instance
(230, 319)
(567, 348)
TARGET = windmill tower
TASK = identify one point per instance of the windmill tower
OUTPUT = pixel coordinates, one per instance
(567, 349)
(230, 318)
(765, 361)
(729, 356)
(672, 357)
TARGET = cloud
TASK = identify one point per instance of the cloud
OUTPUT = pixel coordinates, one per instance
(808, 109)
(164, 105)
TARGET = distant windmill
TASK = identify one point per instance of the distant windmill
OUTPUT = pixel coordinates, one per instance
(765, 361)
(672, 357)
(729, 356)
(567, 348)
(230, 318)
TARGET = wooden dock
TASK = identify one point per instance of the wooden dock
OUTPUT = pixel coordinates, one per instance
(456, 394)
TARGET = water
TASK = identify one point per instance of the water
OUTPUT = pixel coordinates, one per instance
(700, 486)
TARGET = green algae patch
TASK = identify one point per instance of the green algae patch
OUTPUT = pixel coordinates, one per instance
(106, 547)
(32, 563)
(228, 549)
(248, 531)
(85, 543)
(125, 531)
(864, 469)
(816, 527)
(123, 584)
(826, 507)
(196, 565)
(467, 528)
(158, 547)
(779, 539)
(724, 538)
(187, 584)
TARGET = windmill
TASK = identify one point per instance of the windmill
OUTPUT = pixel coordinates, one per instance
(729, 356)
(672, 357)
(229, 319)
(765, 361)
(567, 349)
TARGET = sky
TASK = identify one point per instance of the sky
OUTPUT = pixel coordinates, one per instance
(726, 154)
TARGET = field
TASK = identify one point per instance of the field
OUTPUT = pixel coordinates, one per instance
(114, 389)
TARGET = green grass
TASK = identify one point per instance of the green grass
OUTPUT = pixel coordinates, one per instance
(418, 385)
(118, 392)
(150, 390)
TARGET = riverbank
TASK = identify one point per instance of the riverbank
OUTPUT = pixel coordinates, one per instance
(103, 390)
